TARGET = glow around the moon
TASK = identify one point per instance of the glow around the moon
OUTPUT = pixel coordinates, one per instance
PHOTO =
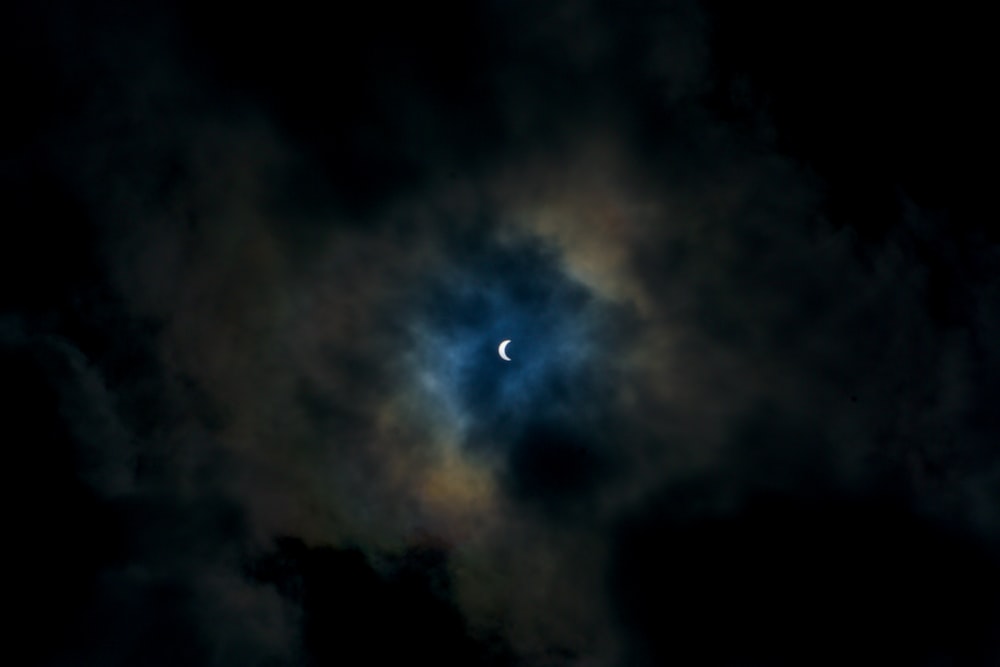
(463, 316)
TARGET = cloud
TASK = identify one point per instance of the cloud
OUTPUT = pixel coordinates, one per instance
(269, 377)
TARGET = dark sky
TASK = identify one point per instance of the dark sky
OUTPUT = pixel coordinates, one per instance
(256, 263)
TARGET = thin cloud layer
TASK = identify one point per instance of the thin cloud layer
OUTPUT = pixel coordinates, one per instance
(267, 403)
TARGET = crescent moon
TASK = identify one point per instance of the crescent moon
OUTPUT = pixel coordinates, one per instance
(503, 350)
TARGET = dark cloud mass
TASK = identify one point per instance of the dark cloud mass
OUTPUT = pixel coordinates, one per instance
(257, 262)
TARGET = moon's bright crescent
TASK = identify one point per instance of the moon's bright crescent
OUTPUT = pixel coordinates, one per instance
(503, 350)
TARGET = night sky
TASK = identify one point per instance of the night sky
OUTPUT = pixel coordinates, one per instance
(257, 260)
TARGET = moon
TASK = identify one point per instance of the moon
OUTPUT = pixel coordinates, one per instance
(503, 350)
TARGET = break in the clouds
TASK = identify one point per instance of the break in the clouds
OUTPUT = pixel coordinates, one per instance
(261, 400)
